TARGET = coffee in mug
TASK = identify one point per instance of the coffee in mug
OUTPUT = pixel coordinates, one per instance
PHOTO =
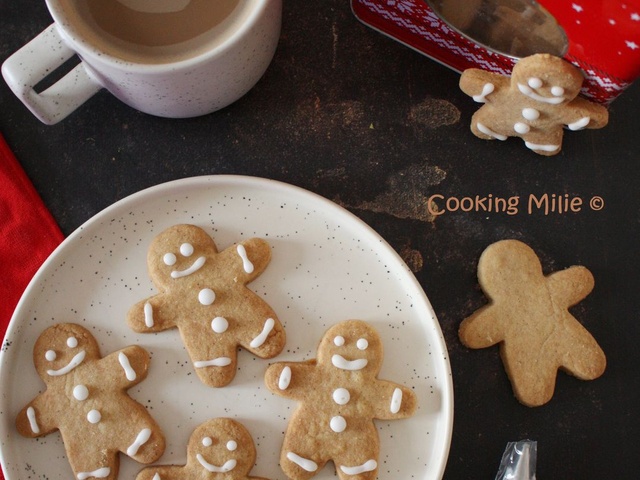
(155, 31)
(170, 58)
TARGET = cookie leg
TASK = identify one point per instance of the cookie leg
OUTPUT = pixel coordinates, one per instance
(145, 442)
(367, 470)
(300, 460)
(547, 144)
(212, 347)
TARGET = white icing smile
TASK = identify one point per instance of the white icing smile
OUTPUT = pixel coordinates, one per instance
(75, 361)
(342, 363)
(195, 266)
(227, 467)
(531, 93)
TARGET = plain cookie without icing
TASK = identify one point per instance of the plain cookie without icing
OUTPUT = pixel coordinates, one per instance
(528, 316)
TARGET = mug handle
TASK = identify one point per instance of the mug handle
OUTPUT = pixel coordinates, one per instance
(34, 62)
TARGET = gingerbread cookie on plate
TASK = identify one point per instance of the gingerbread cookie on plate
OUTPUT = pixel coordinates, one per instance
(218, 449)
(203, 293)
(340, 395)
(86, 400)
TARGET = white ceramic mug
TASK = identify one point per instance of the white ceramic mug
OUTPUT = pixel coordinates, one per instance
(162, 57)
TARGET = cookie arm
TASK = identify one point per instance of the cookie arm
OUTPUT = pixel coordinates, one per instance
(393, 401)
(245, 261)
(482, 329)
(480, 84)
(291, 379)
(568, 287)
(147, 316)
(585, 114)
(125, 368)
(36, 419)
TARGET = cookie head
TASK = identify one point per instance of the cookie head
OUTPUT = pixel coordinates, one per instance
(62, 348)
(508, 266)
(546, 79)
(181, 251)
(351, 346)
(221, 445)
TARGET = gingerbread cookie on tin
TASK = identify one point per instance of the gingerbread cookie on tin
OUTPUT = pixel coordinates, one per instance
(204, 294)
(535, 104)
(528, 316)
(86, 400)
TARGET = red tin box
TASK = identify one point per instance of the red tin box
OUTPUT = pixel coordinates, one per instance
(601, 37)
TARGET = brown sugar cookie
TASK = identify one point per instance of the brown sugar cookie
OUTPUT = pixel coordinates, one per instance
(528, 316)
(339, 395)
(86, 400)
(535, 104)
(220, 448)
(203, 293)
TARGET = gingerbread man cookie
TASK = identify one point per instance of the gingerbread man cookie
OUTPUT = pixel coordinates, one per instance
(535, 104)
(528, 316)
(339, 395)
(203, 293)
(86, 400)
(218, 449)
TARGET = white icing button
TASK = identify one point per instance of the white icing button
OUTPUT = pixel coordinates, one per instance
(362, 344)
(530, 113)
(219, 324)
(534, 82)
(522, 128)
(50, 355)
(72, 342)
(338, 424)
(186, 249)
(206, 296)
(341, 396)
(80, 392)
(338, 341)
(231, 445)
(557, 91)
(169, 259)
(94, 416)
(207, 441)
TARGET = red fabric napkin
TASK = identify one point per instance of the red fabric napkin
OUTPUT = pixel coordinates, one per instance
(28, 234)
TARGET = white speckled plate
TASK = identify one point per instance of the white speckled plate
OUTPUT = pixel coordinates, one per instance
(327, 266)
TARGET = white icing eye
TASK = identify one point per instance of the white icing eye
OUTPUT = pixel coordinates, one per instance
(362, 344)
(231, 445)
(207, 441)
(72, 342)
(186, 249)
(50, 355)
(169, 259)
(219, 324)
(80, 392)
(557, 91)
(206, 296)
(338, 341)
(534, 82)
